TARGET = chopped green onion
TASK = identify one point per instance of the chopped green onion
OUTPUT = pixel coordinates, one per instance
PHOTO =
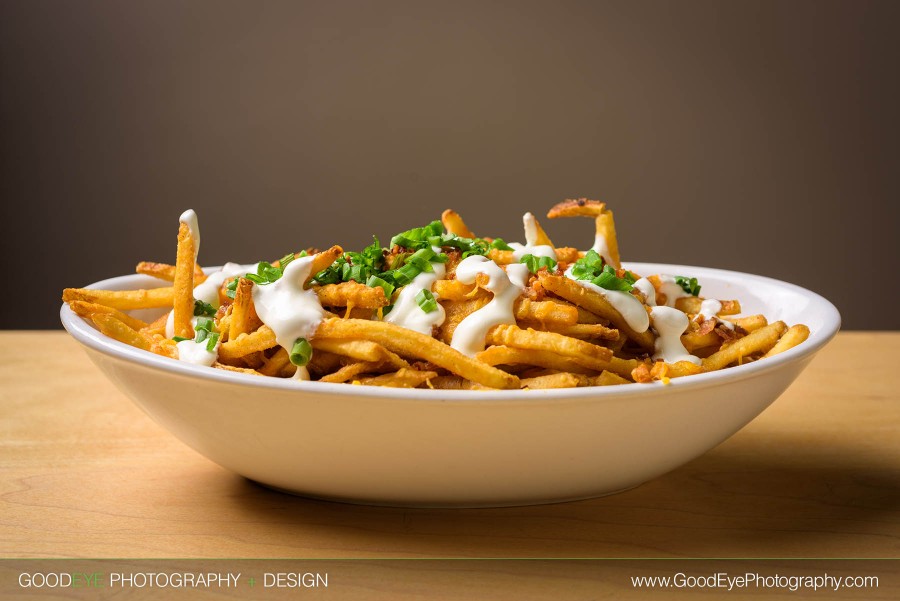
(610, 281)
(201, 335)
(205, 309)
(405, 274)
(418, 237)
(301, 352)
(426, 301)
(211, 341)
(500, 244)
(374, 281)
(689, 285)
(204, 323)
(231, 288)
(286, 259)
(535, 264)
(179, 338)
(588, 267)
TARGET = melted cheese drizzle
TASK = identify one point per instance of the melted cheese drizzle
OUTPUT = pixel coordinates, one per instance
(290, 310)
(646, 287)
(408, 314)
(531, 247)
(189, 218)
(208, 290)
(196, 353)
(670, 324)
(469, 336)
(601, 247)
(631, 309)
(671, 289)
(709, 308)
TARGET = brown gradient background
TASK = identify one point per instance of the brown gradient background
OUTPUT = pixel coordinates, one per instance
(756, 136)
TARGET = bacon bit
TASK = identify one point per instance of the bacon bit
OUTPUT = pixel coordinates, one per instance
(223, 308)
(727, 335)
(659, 371)
(705, 326)
(641, 374)
(426, 366)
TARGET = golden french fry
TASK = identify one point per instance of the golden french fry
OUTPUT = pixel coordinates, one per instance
(506, 355)
(794, 336)
(761, 340)
(582, 331)
(112, 327)
(604, 224)
(558, 380)
(166, 272)
(691, 304)
(456, 312)
(606, 234)
(323, 260)
(454, 290)
(85, 309)
(750, 323)
(161, 345)
(183, 284)
(583, 353)
(577, 207)
(350, 371)
(693, 340)
(545, 312)
(454, 224)
(240, 370)
(662, 370)
(454, 382)
(540, 236)
(260, 340)
(274, 364)
(608, 378)
(243, 317)
(402, 378)
(361, 350)
(124, 300)
(409, 343)
(595, 303)
(353, 294)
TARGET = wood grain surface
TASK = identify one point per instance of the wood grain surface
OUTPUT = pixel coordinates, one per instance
(86, 474)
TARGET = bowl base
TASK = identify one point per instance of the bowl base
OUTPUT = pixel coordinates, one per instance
(439, 504)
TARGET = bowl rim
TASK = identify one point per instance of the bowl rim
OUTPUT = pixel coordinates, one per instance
(91, 338)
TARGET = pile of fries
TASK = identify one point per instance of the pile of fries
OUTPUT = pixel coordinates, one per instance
(563, 329)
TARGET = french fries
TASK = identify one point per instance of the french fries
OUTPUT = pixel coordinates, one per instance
(542, 327)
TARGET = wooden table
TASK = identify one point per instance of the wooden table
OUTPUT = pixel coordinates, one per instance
(86, 474)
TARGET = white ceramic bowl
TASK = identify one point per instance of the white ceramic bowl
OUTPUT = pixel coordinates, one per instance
(462, 448)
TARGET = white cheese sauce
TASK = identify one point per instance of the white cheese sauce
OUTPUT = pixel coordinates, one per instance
(631, 309)
(671, 289)
(285, 306)
(601, 247)
(196, 353)
(709, 308)
(531, 247)
(645, 286)
(670, 324)
(208, 290)
(189, 218)
(408, 314)
(470, 334)
(170, 324)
